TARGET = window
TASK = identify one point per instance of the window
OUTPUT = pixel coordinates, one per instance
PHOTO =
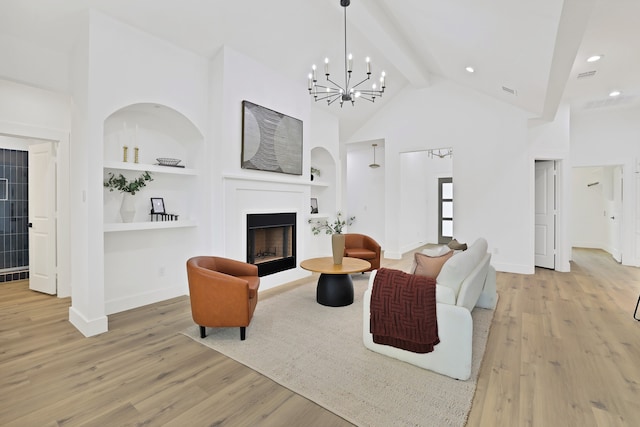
(445, 210)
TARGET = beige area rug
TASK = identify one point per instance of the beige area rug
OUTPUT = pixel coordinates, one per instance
(317, 352)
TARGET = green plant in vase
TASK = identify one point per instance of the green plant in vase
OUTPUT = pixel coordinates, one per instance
(123, 185)
(126, 187)
(314, 172)
(334, 228)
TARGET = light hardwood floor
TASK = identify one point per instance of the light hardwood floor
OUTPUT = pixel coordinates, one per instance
(563, 351)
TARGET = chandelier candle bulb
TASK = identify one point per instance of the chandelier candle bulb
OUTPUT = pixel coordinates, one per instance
(326, 66)
(368, 65)
(313, 71)
(350, 66)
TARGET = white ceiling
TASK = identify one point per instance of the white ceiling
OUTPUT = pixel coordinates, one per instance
(526, 53)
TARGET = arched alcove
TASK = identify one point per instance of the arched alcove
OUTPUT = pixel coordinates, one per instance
(144, 259)
(323, 186)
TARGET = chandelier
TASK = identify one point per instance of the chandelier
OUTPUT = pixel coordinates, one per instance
(333, 91)
(374, 164)
(441, 153)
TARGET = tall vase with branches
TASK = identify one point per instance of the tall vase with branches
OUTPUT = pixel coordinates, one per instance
(335, 229)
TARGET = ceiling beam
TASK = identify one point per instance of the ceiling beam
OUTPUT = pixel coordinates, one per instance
(573, 23)
(371, 20)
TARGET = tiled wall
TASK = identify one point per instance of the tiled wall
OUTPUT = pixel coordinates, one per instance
(14, 215)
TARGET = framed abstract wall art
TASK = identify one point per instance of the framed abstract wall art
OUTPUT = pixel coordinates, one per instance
(271, 141)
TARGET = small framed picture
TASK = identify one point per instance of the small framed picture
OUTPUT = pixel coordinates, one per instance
(314, 205)
(157, 205)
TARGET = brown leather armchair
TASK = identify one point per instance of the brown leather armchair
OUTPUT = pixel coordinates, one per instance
(363, 247)
(223, 292)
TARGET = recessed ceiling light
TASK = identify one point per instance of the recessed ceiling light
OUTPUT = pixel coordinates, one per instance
(470, 69)
(594, 58)
(614, 93)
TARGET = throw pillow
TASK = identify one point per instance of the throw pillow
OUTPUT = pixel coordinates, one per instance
(430, 266)
(457, 246)
(436, 251)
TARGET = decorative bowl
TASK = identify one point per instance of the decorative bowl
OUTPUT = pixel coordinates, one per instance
(166, 161)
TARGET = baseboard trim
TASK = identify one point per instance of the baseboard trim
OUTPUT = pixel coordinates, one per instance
(513, 268)
(139, 300)
(87, 327)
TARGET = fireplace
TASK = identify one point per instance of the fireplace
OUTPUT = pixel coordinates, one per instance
(271, 242)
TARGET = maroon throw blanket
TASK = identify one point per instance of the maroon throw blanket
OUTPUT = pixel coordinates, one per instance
(403, 311)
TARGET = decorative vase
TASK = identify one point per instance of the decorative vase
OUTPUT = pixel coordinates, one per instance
(127, 208)
(337, 246)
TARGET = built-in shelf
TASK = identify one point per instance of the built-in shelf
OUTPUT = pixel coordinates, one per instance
(149, 168)
(159, 225)
(318, 216)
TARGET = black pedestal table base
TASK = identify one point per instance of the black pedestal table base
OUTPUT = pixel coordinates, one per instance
(334, 290)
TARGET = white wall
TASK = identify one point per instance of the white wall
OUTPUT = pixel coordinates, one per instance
(588, 225)
(364, 185)
(490, 163)
(113, 67)
(326, 156)
(238, 191)
(21, 104)
(27, 63)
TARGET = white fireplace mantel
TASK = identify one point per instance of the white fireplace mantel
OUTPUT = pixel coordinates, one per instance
(264, 193)
(269, 179)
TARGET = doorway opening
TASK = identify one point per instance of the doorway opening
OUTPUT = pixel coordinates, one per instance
(14, 213)
(597, 208)
(545, 214)
(29, 217)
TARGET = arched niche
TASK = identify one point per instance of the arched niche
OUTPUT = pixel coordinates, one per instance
(157, 130)
(323, 186)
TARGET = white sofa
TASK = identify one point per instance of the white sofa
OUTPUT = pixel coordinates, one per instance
(466, 280)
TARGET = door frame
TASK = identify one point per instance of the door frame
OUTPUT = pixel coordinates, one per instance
(550, 192)
(563, 247)
(63, 244)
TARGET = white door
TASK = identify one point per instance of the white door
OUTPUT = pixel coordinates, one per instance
(42, 231)
(545, 226)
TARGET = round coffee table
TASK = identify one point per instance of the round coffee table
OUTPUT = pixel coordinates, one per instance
(335, 287)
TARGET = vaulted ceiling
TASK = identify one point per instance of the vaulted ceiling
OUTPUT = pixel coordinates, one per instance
(531, 54)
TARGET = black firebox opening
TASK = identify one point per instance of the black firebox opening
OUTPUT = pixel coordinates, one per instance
(271, 242)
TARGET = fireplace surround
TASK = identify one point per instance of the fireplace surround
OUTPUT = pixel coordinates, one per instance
(271, 241)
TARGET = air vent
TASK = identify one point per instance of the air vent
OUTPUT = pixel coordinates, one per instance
(587, 74)
(509, 90)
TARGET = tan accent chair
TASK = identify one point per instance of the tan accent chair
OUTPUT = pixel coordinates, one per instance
(223, 292)
(363, 247)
